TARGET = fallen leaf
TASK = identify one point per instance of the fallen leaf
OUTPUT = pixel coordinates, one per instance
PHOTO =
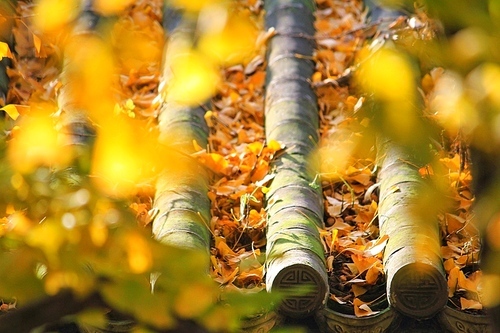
(361, 309)
(5, 50)
(470, 283)
(470, 304)
(364, 263)
(453, 281)
(358, 290)
(37, 42)
(376, 247)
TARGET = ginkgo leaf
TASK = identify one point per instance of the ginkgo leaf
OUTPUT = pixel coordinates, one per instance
(215, 162)
(115, 167)
(55, 281)
(48, 236)
(449, 264)
(469, 283)
(37, 42)
(336, 299)
(335, 207)
(470, 304)
(358, 290)
(453, 281)
(364, 263)
(362, 309)
(375, 247)
(373, 273)
(5, 50)
(13, 110)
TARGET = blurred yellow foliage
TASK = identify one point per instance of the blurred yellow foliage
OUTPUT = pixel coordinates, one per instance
(231, 44)
(88, 76)
(37, 143)
(98, 231)
(193, 5)
(139, 255)
(57, 280)
(48, 236)
(51, 15)
(137, 45)
(387, 74)
(116, 166)
(489, 77)
(194, 78)
(203, 294)
(454, 109)
(111, 7)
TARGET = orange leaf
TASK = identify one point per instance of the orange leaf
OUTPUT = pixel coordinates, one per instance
(453, 281)
(467, 304)
(454, 223)
(470, 283)
(376, 246)
(361, 309)
(358, 290)
(362, 263)
(260, 171)
(215, 162)
(223, 248)
(449, 264)
(373, 273)
(38, 44)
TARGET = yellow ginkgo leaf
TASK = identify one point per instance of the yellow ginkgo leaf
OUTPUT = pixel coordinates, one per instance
(11, 110)
(5, 50)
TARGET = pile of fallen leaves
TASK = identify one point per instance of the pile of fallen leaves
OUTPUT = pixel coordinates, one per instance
(138, 39)
(36, 64)
(348, 174)
(353, 248)
(460, 237)
(461, 242)
(239, 155)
